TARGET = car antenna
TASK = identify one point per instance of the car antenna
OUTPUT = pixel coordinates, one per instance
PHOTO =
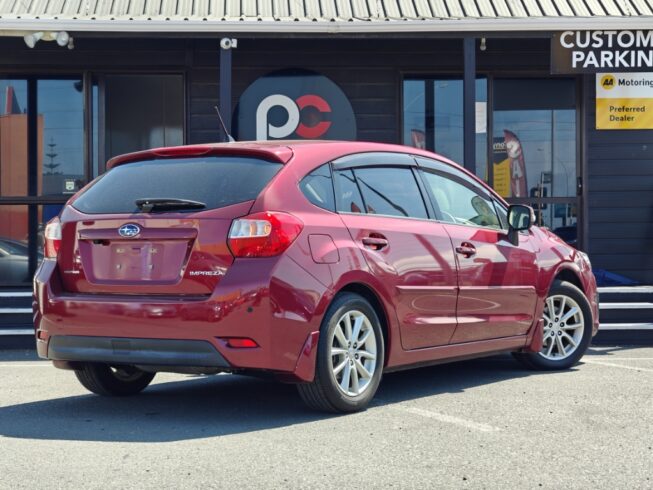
(230, 138)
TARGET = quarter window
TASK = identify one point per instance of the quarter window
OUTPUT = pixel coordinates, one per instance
(391, 192)
(318, 188)
(460, 204)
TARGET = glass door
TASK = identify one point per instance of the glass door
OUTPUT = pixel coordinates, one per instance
(534, 149)
(42, 163)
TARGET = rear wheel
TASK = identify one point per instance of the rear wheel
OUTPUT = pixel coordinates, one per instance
(349, 359)
(567, 329)
(106, 380)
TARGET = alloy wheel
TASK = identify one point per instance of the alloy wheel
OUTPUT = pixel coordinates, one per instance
(563, 327)
(352, 353)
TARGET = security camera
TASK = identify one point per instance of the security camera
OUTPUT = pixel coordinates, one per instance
(32, 39)
(62, 38)
(227, 43)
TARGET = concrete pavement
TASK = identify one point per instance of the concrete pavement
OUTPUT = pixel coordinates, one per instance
(476, 424)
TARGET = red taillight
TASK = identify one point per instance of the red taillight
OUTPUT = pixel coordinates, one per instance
(240, 342)
(263, 234)
(52, 238)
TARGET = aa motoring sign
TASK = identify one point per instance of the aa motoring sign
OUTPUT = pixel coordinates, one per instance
(601, 51)
(624, 101)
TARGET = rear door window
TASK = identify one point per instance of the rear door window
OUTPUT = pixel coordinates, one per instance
(348, 198)
(391, 191)
(215, 181)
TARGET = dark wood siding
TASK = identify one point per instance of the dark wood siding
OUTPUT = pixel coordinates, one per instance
(368, 70)
(620, 196)
(620, 163)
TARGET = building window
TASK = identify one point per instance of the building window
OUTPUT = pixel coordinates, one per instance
(13, 138)
(137, 112)
(60, 109)
(534, 148)
(433, 118)
(47, 153)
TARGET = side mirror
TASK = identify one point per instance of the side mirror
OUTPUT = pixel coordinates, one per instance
(520, 218)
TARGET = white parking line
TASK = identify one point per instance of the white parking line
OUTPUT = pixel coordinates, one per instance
(612, 358)
(447, 419)
(610, 364)
(24, 364)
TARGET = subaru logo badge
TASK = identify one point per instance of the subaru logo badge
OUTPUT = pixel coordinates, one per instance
(130, 230)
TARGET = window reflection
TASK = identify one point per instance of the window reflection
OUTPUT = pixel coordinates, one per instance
(459, 204)
(143, 111)
(534, 140)
(13, 138)
(391, 192)
(561, 219)
(433, 118)
(14, 266)
(60, 136)
(349, 199)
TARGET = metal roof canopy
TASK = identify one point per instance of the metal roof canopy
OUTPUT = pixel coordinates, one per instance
(327, 17)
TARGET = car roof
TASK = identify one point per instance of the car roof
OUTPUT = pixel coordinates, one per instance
(280, 151)
(307, 154)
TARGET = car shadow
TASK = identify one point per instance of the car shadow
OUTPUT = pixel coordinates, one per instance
(606, 350)
(201, 407)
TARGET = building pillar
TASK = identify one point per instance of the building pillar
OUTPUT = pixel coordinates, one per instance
(226, 45)
(469, 103)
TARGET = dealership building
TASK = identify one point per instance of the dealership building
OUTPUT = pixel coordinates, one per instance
(549, 101)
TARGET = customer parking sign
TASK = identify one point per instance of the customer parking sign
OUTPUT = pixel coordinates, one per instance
(624, 101)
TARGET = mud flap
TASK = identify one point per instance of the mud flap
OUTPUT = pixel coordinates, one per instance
(305, 367)
(537, 339)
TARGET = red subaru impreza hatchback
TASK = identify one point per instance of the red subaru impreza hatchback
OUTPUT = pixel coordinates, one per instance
(321, 263)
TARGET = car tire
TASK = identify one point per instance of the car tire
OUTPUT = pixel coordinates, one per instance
(105, 380)
(563, 297)
(330, 391)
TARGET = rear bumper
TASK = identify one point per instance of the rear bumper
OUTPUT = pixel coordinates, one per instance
(254, 300)
(158, 352)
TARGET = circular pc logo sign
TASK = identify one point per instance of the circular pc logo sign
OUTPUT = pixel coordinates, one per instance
(129, 230)
(294, 104)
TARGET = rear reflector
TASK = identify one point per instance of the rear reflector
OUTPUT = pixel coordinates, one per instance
(263, 234)
(52, 238)
(239, 342)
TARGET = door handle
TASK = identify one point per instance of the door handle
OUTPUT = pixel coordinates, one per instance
(375, 242)
(466, 249)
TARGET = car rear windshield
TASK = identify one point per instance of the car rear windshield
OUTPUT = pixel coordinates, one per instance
(214, 181)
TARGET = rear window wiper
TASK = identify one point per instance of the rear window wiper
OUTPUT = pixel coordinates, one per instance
(167, 204)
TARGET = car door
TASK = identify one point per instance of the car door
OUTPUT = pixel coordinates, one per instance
(380, 200)
(497, 280)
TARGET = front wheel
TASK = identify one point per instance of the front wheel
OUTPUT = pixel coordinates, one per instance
(105, 380)
(567, 329)
(349, 358)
